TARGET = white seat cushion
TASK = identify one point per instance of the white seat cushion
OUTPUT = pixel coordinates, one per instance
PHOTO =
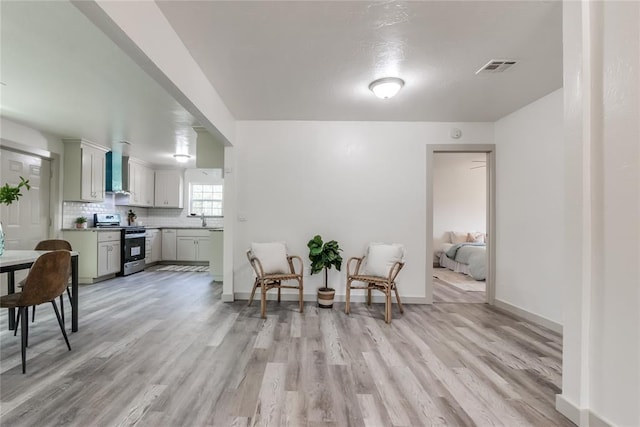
(381, 257)
(272, 256)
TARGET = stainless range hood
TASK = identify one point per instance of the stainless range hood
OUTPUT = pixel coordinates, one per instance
(116, 174)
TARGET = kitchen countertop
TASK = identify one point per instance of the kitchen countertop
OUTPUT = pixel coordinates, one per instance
(147, 227)
(93, 229)
(185, 228)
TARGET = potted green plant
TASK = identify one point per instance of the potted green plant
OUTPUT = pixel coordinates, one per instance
(131, 217)
(81, 222)
(8, 195)
(323, 256)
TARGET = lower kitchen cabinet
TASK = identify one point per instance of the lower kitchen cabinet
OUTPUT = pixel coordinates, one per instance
(109, 257)
(153, 246)
(100, 253)
(193, 245)
(169, 244)
(215, 260)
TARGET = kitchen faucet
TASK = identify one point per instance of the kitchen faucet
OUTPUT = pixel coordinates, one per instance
(204, 222)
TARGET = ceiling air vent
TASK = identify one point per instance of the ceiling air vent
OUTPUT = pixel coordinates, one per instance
(496, 66)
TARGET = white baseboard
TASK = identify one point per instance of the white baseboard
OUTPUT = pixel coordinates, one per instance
(596, 421)
(579, 416)
(568, 409)
(227, 297)
(527, 315)
(379, 299)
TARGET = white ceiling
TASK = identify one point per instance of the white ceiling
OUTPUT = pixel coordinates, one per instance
(278, 60)
(314, 60)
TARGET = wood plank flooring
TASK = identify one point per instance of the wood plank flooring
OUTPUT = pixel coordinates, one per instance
(444, 292)
(161, 349)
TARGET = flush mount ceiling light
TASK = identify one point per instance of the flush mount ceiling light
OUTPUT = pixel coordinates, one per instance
(181, 158)
(386, 87)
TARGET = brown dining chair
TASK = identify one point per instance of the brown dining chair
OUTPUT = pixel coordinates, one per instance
(51, 245)
(272, 267)
(46, 281)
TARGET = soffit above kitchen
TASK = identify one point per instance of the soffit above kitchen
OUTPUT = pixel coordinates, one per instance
(314, 60)
(64, 76)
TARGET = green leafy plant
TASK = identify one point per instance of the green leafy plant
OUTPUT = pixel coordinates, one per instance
(10, 193)
(131, 216)
(323, 256)
(81, 220)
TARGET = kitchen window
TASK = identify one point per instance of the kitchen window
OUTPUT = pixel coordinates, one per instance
(205, 199)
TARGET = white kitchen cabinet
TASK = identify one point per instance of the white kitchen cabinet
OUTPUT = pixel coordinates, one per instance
(84, 171)
(216, 258)
(100, 253)
(169, 189)
(169, 244)
(109, 257)
(193, 245)
(138, 180)
(153, 246)
(150, 185)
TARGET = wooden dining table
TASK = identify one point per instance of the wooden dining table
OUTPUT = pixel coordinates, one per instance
(14, 260)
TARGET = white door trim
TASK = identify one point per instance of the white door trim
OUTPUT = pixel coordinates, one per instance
(490, 150)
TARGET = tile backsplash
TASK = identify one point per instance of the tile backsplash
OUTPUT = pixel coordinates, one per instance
(149, 217)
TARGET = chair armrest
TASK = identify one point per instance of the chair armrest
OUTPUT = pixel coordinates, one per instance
(395, 269)
(255, 264)
(290, 258)
(358, 263)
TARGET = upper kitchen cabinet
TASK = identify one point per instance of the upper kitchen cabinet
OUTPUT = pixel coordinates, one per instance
(139, 181)
(132, 180)
(150, 178)
(169, 189)
(84, 171)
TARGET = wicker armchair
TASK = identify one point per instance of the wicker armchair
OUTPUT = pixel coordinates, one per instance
(268, 281)
(357, 272)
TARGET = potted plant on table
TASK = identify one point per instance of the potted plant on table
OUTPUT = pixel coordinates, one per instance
(8, 195)
(323, 256)
(81, 222)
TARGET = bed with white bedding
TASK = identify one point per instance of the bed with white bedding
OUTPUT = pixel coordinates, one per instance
(468, 257)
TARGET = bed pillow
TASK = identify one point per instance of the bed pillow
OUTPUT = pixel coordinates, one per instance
(272, 256)
(475, 237)
(380, 258)
(458, 236)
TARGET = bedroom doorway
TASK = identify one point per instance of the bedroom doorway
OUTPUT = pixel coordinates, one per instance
(460, 223)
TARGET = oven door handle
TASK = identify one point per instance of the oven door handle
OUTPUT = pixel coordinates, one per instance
(135, 236)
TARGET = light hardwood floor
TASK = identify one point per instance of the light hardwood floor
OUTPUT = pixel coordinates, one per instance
(161, 349)
(444, 292)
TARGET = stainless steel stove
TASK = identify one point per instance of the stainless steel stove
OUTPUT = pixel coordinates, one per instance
(132, 242)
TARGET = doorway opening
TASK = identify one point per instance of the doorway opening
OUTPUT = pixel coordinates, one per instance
(460, 223)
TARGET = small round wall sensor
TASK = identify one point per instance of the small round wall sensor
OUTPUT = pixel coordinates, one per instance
(455, 133)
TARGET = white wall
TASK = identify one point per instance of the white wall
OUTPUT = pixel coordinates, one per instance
(601, 346)
(18, 136)
(529, 207)
(354, 182)
(459, 194)
(24, 135)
